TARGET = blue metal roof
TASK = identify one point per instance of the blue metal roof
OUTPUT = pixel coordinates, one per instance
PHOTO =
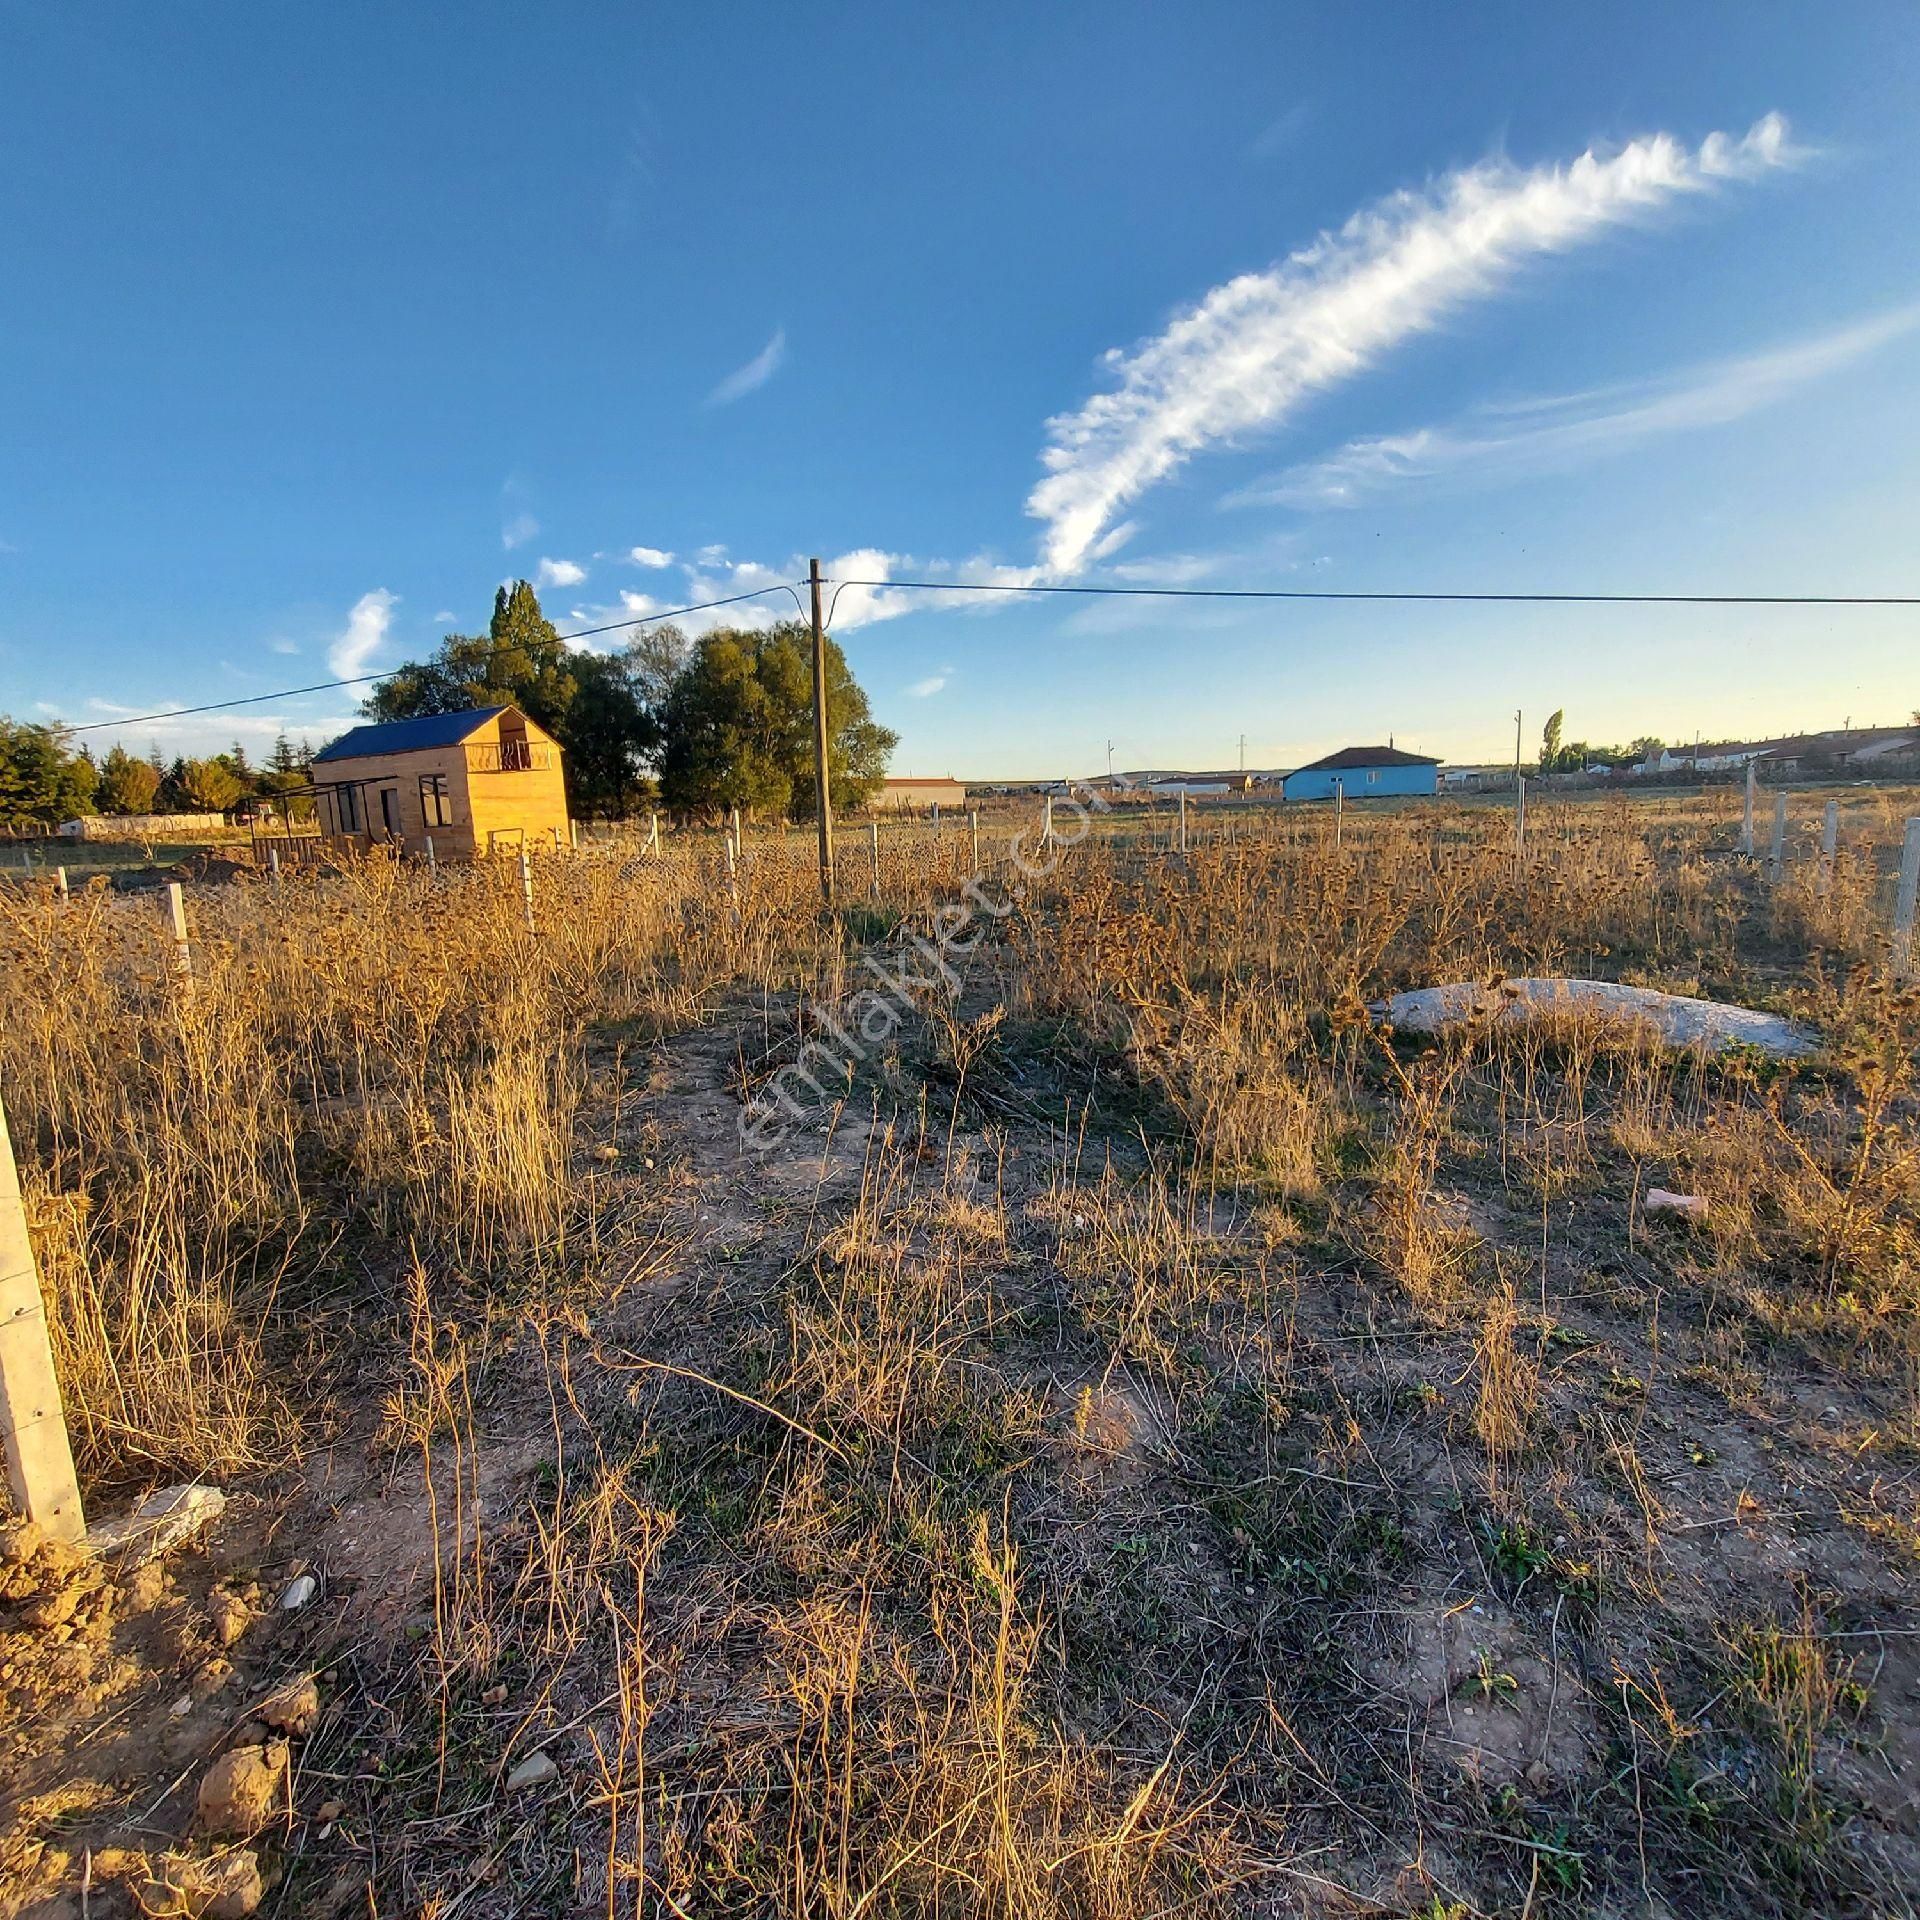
(407, 736)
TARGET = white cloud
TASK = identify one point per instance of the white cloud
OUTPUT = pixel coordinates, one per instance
(649, 557)
(932, 684)
(755, 374)
(1524, 439)
(1254, 348)
(445, 617)
(365, 631)
(1278, 135)
(284, 646)
(561, 573)
(1172, 570)
(518, 531)
(637, 604)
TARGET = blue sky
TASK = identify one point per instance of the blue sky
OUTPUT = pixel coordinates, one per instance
(315, 325)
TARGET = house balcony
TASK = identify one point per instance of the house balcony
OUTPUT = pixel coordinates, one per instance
(510, 756)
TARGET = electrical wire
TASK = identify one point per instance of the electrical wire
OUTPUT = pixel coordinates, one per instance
(369, 679)
(1352, 593)
(1153, 593)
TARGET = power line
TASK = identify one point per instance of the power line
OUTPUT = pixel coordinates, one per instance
(369, 679)
(1152, 593)
(1332, 593)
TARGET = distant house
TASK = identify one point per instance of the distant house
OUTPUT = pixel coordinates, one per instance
(1365, 773)
(901, 794)
(1843, 749)
(1233, 780)
(476, 782)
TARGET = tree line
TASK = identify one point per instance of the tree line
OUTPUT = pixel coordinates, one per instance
(696, 727)
(45, 779)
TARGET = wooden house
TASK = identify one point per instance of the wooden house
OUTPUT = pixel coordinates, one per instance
(487, 780)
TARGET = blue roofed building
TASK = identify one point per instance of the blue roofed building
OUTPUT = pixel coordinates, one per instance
(472, 783)
(1365, 773)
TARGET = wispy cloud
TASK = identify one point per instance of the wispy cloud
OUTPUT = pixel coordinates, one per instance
(445, 617)
(650, 556)
(1525, 439)
(366, 630)
(1279, 134)
(754, 375)
(560, 573)
(518, 530)
(284, 645)
(932, 684)
(1256, 347)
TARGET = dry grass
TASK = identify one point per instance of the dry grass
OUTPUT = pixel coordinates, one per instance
(1155, 1444)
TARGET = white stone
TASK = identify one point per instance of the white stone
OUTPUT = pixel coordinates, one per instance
(159, 1523)
(298, 1593)
(534, 1771)
(1675, 1018)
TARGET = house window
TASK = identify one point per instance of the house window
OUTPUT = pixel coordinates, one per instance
(436, 804)
(390, 810)
(346, 802)
(1372, 775)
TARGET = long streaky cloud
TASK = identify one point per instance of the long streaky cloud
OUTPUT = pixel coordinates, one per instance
(365, 631)
(1256, 347)
(755, 374)
(1526, 439)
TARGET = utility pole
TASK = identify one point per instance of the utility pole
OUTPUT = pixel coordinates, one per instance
(822, 796)
(1109, 763)
(1516, 746)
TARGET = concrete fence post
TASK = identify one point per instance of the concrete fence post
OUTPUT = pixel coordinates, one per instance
(60, 885)
(1519, 821)
(177, 915)
(433, 859)
(873, 849)
(734, 829)
(573, 833)
(973, 827)
(1903, 903)
(936, 816)
(1829, 843)
(1746, 812)
(653, 834)
(1183, 819)
(39, 1456)
(273, 865)
(526, 885)
(1046, 823)
(1777, 852)
(1339, 810)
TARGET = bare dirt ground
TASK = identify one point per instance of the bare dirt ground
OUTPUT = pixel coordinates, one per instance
(935, 1425)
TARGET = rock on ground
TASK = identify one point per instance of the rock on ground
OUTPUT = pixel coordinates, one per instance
(242, 1789)
(1676, 1018)
(228, 1886)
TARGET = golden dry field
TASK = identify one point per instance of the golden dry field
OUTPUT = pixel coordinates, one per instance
(1018, 1398)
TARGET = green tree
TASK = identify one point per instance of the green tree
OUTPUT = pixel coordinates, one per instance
(201, 786)
(42, 779)
(602, 708)
(127, 785)
(521, 661)
(738, 724)
(1550, 741)
(610, 734)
